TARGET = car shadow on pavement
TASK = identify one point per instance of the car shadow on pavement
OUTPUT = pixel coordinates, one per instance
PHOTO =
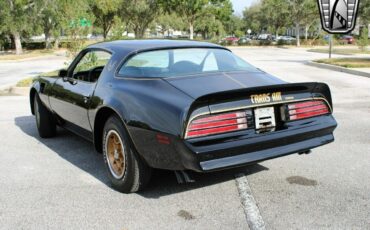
(70, 147)
(164, 182)
(81, 153)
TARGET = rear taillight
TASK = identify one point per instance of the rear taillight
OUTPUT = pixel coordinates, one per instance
(217, 124)
(306, 109)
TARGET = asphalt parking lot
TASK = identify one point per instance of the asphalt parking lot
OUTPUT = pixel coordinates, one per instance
(60, 183)
(14, 70)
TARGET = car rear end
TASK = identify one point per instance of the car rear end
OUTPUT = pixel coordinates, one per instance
(348, 39)
(235, 128)
(351, 40)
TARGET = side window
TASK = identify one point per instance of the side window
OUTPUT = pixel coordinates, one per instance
(157, 59)
(147, 64)
(91, 66)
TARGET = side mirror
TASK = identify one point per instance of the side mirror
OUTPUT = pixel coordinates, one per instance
(63, 73)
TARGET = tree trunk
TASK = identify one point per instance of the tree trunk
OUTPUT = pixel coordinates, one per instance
(136, 31)
(139, 32)
(204, 35)
(47, 40)
(297, 34)
(56, 43)
(47, 25)
(17, 42)
(306, 33)
(191, 29)
(105, 34)
(105, 31)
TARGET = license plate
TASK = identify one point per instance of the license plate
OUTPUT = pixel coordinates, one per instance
(264, 118)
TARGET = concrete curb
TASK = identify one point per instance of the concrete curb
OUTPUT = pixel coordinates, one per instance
(23, 91)
(27, 58)
(338, 68)
(14, 90)
(6, 88)
(55, 54)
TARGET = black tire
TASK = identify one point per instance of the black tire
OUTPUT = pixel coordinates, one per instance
(45, 121)
(126, 170)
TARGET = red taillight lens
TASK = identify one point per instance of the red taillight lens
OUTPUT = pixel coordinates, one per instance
(307, 109)
(216, 124)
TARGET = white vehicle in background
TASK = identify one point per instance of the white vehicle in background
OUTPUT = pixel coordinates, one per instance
(264, 37)
(286, 38)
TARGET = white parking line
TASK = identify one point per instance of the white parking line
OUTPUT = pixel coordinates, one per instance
(252, 213)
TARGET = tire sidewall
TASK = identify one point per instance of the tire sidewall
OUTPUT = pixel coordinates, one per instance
(36, 108)
(125, 182)
(45, 122)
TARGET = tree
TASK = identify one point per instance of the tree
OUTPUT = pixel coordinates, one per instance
(298, 15)
(48, 12)
(364, 12)
(104, 12)
(57, 15)
(118, 29)
(17, 18)
(235, 25)
(170, 21)
(363, 40)
(213, 18)
(208, 26)
(254, 18)
(277, 19)
(310, 17)
(139, 14)
(222, 11)
(191, 10)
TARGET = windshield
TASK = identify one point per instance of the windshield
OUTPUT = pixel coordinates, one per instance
(177, 62)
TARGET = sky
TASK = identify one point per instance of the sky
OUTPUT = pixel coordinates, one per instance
(239, 5)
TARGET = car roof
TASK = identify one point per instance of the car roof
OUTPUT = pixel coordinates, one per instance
(129, 46)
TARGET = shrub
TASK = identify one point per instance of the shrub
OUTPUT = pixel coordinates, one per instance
(318, 42)
(363, 40)
(282, 42)
(239, 33)
(246, 43)
(264, 42)
(73, 46)
(33, 45)
(25, 82)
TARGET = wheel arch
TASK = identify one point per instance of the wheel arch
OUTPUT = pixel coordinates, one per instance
(101, 118)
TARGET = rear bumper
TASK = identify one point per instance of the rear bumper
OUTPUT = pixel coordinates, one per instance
(249, 147)
(265, 154)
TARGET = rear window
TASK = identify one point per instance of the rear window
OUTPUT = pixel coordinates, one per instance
(178, 62)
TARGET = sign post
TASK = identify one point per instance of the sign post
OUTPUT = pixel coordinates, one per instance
(330, 45)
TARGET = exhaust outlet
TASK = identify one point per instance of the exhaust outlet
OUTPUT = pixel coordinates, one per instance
(305, 152)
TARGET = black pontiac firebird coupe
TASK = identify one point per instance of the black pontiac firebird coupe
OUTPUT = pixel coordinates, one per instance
(179, 105)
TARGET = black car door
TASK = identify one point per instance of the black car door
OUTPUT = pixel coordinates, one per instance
(70, 99)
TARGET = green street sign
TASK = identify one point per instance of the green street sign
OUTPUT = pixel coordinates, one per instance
(82, 22)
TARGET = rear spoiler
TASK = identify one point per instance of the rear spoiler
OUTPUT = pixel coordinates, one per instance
(258, 96)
